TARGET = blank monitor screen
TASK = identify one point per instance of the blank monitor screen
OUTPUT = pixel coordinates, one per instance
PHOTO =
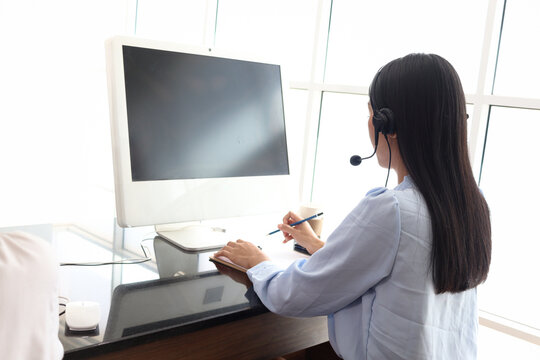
(192, 116)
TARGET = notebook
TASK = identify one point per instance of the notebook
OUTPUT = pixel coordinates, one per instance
(227, 262)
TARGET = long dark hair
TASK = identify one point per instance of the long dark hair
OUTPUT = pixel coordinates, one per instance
(430, 121)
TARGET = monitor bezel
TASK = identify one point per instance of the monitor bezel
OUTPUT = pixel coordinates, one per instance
(141, 203)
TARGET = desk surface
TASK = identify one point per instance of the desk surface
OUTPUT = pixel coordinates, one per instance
(177, 293)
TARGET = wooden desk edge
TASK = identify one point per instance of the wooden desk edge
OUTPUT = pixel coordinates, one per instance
(258, 337)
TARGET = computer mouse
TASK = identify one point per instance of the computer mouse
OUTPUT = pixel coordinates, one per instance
(82, 315)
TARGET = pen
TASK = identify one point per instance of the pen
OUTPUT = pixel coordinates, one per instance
(298, 222)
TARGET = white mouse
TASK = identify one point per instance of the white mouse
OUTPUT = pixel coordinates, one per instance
(82, 315)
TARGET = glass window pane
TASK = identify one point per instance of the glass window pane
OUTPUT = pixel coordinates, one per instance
(55, 115)
(365, 35)
(494, 344)
(277, 29)
(518, 73)
(295, 117)
(509, 175)
(180, 21)
(338, 186)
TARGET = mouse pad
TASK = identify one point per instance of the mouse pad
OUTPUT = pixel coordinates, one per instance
(72, 333)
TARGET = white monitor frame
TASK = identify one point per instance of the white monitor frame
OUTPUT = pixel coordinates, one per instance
(160, 202)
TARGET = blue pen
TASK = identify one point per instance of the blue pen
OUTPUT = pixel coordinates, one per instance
(298, 222)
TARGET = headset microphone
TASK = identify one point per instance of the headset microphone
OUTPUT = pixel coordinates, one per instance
(357, 159)
(383, 122)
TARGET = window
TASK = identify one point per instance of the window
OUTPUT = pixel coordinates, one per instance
(55, 141)
(279, 29)
(365, 35)
(518, 72)
(180, 21)
(343, 131)
(295, 117)
(508, 181)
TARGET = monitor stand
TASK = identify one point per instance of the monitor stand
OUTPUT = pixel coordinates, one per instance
(193, 237)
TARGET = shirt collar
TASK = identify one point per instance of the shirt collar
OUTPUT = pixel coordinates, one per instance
(407, 183)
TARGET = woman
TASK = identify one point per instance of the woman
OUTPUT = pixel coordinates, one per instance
(397, 279)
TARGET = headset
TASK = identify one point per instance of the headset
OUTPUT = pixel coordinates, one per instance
(384, 123)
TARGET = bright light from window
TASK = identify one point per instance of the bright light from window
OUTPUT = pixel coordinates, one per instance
(518, 70)
(365, 35)
(278, 29)
(338, 186)
(179, 21)
(508, 182)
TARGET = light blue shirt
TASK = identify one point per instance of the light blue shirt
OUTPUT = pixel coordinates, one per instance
(373, 280)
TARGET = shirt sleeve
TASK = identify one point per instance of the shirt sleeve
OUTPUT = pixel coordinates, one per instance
(357, 255)
(29, 300)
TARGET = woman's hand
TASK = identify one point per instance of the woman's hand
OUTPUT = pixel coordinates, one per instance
(242, 253)
(302, 233)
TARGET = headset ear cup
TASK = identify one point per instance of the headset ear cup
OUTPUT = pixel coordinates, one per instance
(378, 121)
(383, 121)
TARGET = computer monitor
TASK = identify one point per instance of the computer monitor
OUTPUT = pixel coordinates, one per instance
(197, 135)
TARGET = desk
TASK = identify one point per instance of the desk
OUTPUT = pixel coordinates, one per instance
(177, 306)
